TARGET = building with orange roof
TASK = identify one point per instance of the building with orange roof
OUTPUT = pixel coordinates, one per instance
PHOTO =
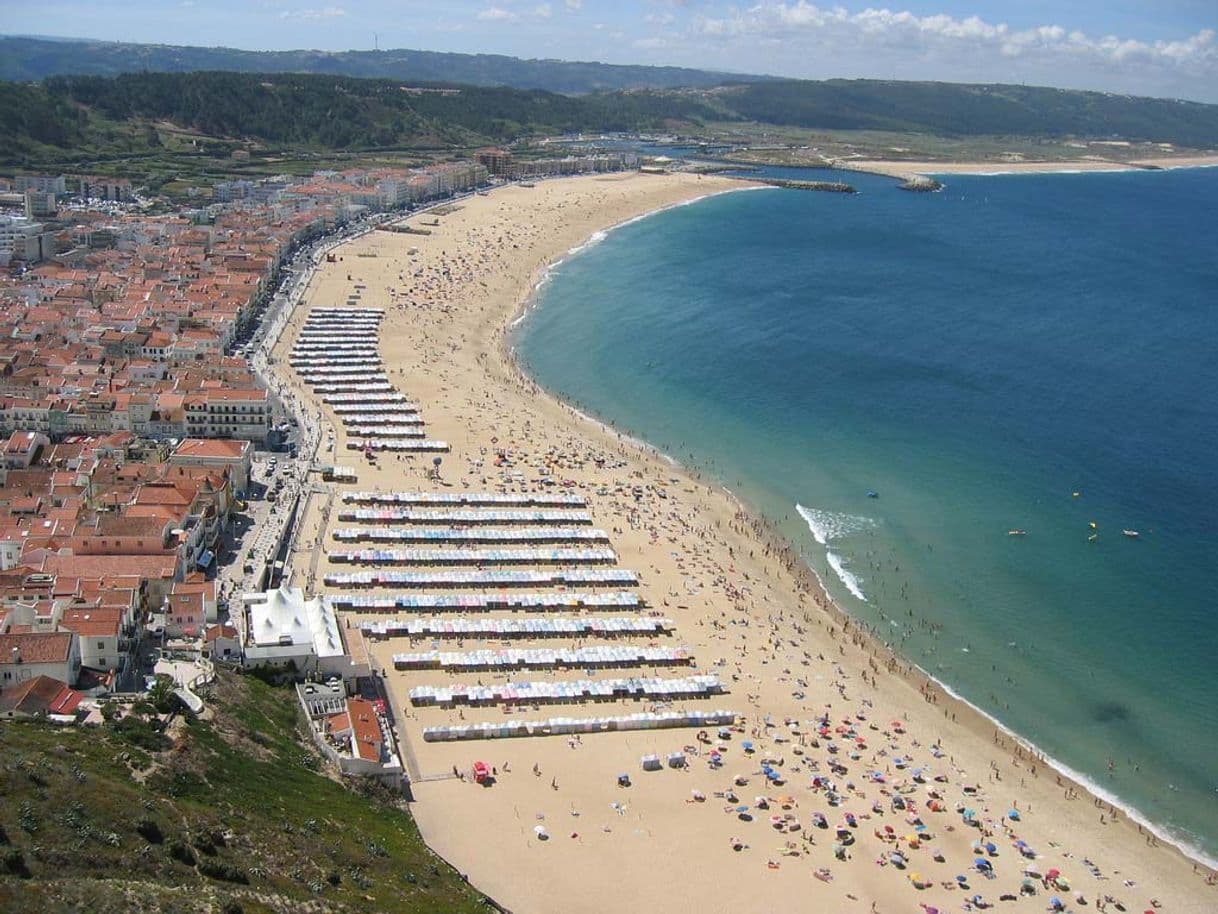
(27, 655)
(227, 457)
(40, 696)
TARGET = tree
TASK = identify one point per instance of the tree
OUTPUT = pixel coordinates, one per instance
(161, 694)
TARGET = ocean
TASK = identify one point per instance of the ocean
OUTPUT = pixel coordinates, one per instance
(899, 380)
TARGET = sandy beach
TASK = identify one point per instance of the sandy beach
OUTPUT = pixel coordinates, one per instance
(900, 169)
(914, 788)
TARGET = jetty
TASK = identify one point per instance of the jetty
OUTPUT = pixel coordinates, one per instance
(832, 187)
(920, 184)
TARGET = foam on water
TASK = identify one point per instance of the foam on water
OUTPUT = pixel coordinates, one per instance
(838, 564)
(593, 239)
(831, 525)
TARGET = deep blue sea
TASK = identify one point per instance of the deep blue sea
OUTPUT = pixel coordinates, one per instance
(1035, 353)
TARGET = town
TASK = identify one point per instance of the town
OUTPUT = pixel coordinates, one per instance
(151, 472)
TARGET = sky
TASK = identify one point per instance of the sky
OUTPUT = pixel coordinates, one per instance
(1144, 47)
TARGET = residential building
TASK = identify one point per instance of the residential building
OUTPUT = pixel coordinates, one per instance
(45, 184)
(232, 457)
(27, 655)
(41, 696)
(230, 413)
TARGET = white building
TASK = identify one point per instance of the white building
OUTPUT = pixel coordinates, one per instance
(229, 414)
(32, 654)
(24, 239)
(43, 184)
(283, 629)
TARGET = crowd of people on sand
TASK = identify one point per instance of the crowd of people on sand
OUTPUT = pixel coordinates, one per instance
(827, 783)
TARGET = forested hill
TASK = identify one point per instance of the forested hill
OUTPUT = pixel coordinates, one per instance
(958, 109)
(311, 111)
(28, 59)
(74, 117)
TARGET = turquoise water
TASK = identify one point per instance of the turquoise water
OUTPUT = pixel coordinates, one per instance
(975, 357)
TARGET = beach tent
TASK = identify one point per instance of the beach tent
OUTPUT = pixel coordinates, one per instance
(651, 763)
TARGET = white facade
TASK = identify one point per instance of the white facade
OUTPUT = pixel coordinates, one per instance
(25, 239)
(282, 627)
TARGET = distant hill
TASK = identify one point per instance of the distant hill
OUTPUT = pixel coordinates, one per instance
(955, 109)
(82, 115)
(28, 59)
(78, 118)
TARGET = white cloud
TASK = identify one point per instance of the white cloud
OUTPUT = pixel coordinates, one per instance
(659, 19)
(872, 28)
(326, 12)
(573, 5)
(542, 11)
(496, 14)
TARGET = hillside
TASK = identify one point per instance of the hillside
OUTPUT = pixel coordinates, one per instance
(84, 113)
(228, 815)
(74, 119)
(26, 59)
(955, 109)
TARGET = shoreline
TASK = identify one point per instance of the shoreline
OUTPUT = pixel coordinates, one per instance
(905, 170)
(766, 527)
(441, 370)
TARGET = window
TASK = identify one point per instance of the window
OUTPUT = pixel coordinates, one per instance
(101, 645)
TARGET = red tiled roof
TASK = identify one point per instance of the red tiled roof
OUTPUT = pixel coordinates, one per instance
(40, 695)
(220, 631)
(41, 647)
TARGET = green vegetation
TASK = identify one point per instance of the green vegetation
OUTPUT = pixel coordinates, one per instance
(230, 814)
(175, 127)
(153, 113)
(25, 59)
(950, 109)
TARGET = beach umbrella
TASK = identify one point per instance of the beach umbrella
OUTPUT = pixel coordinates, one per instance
(1013, 815)
(981, 863)
(991, 848)
(1053, 873)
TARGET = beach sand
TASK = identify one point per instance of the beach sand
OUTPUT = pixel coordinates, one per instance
(899, 169)
(745, 607)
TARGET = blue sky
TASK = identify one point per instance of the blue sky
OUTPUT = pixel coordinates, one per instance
(1151, 47)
